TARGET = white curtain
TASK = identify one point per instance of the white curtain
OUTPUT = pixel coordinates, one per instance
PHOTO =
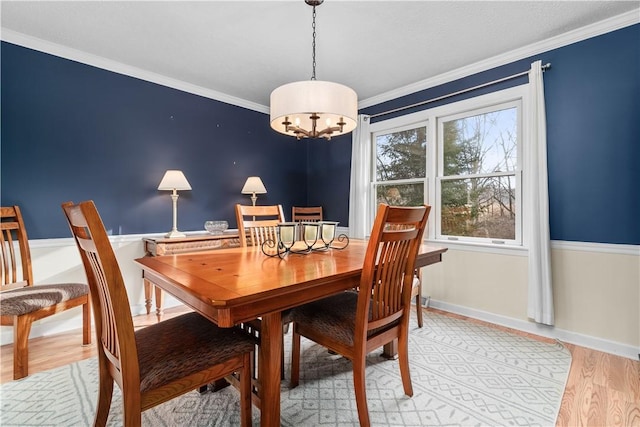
(360, 178)
(540, 301)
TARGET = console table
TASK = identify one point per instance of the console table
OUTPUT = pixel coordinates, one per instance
(192, 243)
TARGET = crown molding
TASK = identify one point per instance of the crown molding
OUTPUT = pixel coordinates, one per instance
(599, 28)
(127, 70)
(574, 36)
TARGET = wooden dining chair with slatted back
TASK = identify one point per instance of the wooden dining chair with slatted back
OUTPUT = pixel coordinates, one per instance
(256, 225)
(306, 214)
(354, 323)
(22, 303)
(159, 362)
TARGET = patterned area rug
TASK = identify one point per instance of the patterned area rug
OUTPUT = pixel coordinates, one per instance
(463, 374)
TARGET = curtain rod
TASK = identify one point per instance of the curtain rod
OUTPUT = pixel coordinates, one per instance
(428, 101)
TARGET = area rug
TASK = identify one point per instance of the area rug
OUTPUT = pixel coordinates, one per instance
(463, 374)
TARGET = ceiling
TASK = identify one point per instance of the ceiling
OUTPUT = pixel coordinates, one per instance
(245, 49)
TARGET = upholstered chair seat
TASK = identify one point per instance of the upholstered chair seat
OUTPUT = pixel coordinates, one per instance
(334, 316)
(163, 359)
(17, 302)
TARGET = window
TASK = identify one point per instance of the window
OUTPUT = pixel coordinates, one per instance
(479, 174)
(400, 166)
(464, 159)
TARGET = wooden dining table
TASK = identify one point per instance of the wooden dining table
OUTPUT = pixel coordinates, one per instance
(236, 285)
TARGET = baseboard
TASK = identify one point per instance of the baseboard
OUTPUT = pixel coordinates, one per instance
(595, 343)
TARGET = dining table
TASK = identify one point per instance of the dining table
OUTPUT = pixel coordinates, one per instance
(237, 285)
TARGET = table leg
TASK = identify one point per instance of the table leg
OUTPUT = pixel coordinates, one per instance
(159, 301)
(148, 287)
(390, 351)
(271, 348)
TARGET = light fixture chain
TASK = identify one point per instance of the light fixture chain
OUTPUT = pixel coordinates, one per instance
(313, 45)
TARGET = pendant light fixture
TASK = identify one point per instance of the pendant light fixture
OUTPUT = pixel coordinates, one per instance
(313, 108)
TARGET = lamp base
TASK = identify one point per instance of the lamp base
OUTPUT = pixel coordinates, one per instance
(173, 234)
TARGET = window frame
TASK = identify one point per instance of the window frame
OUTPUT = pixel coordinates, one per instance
(433, 119)
(374, 183)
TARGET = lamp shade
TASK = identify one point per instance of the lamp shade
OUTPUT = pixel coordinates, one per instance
(253, 185)
(174, 179)
(296, 102)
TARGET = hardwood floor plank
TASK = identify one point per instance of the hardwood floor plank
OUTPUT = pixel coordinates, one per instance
(567, 415)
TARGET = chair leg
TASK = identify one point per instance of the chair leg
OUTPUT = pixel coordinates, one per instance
(245, 391)
(295, 358)
(419, 298)
(105, 393)
(359, 385)
(86, 323)
(403, 359)
(132, 416)
(21, 331)
(285, 331)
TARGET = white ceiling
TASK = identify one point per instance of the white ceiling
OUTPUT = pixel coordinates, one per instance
(245, 49)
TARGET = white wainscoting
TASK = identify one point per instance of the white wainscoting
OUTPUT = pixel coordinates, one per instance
(596, 288)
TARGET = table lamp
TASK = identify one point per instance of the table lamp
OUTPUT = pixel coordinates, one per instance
(174, 180)
(254, 186)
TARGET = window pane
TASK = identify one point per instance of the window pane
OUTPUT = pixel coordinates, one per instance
(401, 155)
(400, 195)
(480, 144)
(479, 207)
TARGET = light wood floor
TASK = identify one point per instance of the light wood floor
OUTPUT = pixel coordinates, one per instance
(602, 389)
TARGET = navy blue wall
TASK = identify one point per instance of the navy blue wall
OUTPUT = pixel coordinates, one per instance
(125, 133)
(329, 173)
(592, 95)
(593, 127)
(76, 132)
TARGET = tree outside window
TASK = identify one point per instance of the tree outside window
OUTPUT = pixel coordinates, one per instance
(401, 167)
(478, 185)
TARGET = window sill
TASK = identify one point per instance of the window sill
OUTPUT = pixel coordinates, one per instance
(481, 247)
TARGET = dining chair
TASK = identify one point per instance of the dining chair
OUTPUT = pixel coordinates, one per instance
(22, 303)
(354, 323)
(305, 214)
(159, 362)
(256, 225)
